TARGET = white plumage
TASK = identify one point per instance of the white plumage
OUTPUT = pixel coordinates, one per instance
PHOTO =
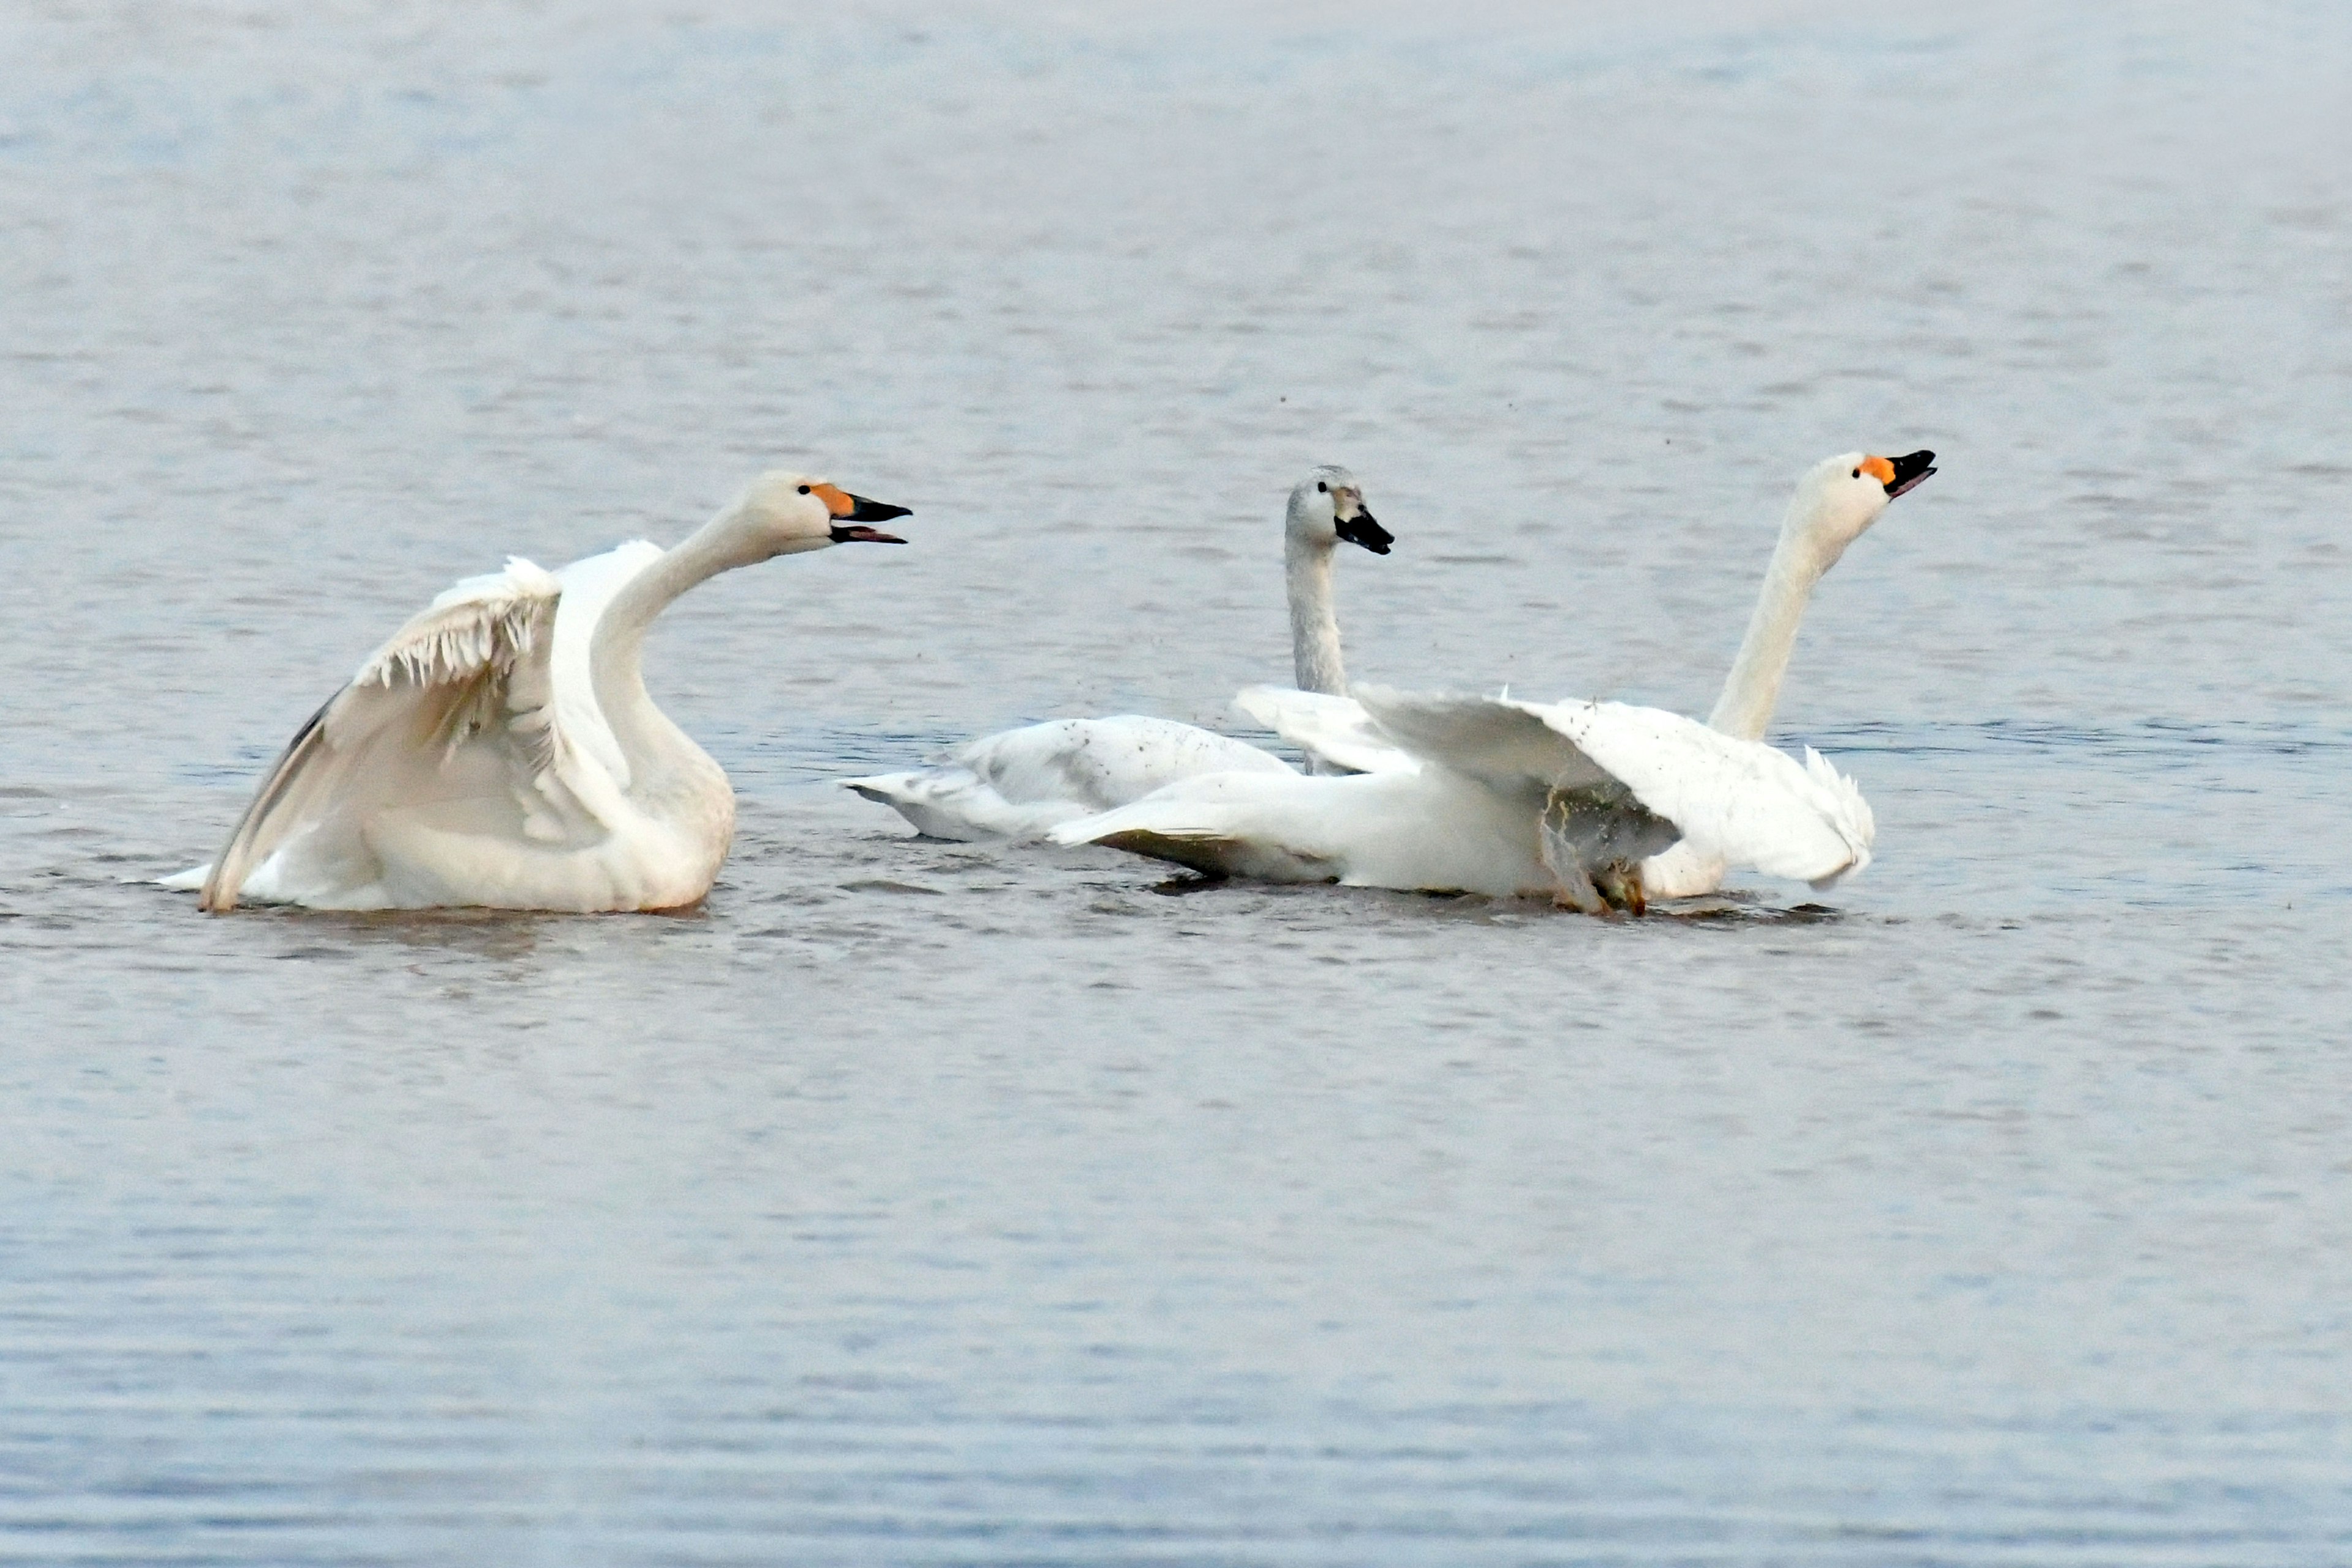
(1333, 727)
(1020, 783)
(1017, 783)
(500, 749)
(1563, 799)
(1713, 784)
(1597, 803)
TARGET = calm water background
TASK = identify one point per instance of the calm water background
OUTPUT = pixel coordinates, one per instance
(945, 1204)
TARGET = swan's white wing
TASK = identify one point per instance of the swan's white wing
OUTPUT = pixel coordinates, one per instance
(1493, 740)
(1740, 800)
(456, 713)
(1336, 729)
(1281, 827)
(1686, 871)
(1019, 783)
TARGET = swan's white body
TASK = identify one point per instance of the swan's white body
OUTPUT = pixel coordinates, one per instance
(1019, 783)
(1597, 803)
(1507, 798)
(500, 750)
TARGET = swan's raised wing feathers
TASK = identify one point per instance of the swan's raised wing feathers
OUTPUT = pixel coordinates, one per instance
(1492, 740)
(1742, 800)
(480, 623)
(456, 706)
(1335, 729)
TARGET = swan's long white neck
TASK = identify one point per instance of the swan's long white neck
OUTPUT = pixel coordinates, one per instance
(1752, 689)
(616, 652)
(1313, 628)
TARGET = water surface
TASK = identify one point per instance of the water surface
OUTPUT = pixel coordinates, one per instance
(930, 1203)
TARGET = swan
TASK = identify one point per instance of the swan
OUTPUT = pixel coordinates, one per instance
(1583, 801)
(1509, 798)
(1017, 783)
(1821, 522)
(500, 750)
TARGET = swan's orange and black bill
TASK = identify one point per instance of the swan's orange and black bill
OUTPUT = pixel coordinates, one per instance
(1361, 530)
(1904, 472)
(856, 512)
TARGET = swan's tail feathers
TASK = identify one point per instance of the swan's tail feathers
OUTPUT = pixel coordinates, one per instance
(888, 788)
(1850, 815)
(1019, 783)
(956, 804)
(188, 881)
(1332, 730)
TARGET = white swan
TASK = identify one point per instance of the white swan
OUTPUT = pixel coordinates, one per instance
(1559, 799)
(1570, 799)
(1823, 518)
(501, 750)
(1017, 783)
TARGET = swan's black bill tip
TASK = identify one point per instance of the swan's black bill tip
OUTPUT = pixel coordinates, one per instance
(864, 510)
(1910, 471)
(1361, 530)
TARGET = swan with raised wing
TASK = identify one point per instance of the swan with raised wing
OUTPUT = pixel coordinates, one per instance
(501, 750)
(1581, 801)
(1017, 783)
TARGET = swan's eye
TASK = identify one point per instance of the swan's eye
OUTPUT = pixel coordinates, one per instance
(1322, 488)
(805, 489)
(1857, 473)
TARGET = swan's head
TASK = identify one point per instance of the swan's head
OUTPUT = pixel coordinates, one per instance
(1328, 506)
(789, 512)
(1840, 497)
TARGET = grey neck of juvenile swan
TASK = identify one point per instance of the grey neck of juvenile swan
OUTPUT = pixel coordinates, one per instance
(1314, 629)
(616, 652)
(1752, 689)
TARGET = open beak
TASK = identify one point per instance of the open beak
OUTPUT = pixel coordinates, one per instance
(1361, 530)
(852, 514)
(1909, 471)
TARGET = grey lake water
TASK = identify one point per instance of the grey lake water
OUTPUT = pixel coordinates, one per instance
(928, 1204)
